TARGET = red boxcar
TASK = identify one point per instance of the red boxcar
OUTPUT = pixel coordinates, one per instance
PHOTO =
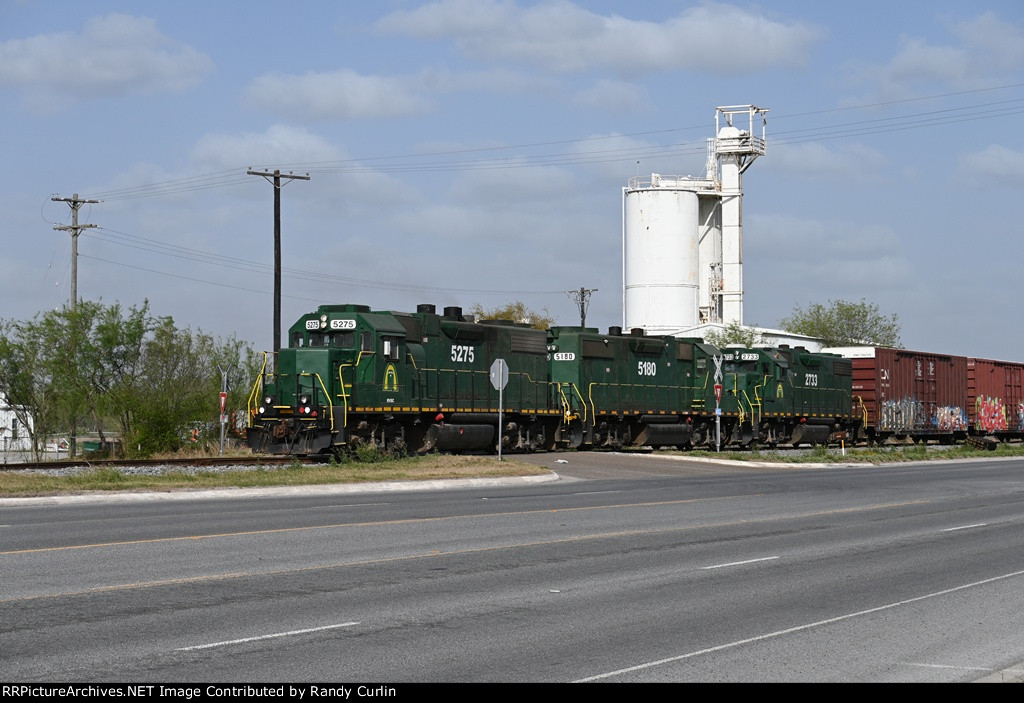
(902, 393)
(995, 400)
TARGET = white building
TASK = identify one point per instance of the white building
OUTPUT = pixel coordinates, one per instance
(14, 434)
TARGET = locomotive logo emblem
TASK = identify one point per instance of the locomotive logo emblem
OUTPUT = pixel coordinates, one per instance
(390, 378)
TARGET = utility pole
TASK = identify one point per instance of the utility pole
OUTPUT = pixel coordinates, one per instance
(276, 175)
(582, 299)
(75, 202)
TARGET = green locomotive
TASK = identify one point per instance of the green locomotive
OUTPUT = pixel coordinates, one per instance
(418, 381)
(634, 390)
(790, 396)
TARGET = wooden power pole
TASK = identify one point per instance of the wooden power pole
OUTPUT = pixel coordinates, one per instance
(582, 299)
(274, 178)
(75, 202)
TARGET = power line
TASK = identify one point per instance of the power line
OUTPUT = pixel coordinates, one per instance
(429, 162)
(305, 274)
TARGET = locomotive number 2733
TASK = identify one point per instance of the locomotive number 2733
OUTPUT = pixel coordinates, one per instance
(462, 353)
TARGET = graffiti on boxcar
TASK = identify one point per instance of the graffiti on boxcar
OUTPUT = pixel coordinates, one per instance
(951, 419)
(910, 414)
(902, 415)
(991, 414)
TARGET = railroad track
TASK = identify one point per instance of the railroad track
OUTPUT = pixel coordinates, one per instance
(189, 462)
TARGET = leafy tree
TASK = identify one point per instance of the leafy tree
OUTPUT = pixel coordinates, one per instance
(181, 369)
(733, 333)
(25, 381)
(843, 323)
(99, 365)
(516, 311)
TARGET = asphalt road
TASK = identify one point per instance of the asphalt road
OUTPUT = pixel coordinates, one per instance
(628, 568)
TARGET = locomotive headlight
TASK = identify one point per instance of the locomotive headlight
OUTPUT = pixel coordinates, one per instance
(303, 400)
(267, 401)
(323, 321)
(262, 410)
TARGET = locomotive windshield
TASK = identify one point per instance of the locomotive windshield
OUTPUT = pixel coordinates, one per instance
(338, 340)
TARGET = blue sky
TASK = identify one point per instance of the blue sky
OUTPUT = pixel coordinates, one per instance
(474, 151)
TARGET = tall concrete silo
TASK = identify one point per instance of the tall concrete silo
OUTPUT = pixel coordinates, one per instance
(682, 237)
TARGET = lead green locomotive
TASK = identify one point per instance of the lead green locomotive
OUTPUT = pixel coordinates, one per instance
(415, 381)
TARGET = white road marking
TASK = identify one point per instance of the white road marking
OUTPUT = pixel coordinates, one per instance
(965, 527)
(351, 505)
(798, 628)
(266, 637)
(738, 563)
(949, 666)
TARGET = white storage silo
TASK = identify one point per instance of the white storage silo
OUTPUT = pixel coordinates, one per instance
(660, 255)
(682, 237)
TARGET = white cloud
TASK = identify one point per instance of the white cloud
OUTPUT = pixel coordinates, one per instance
(983, 49)
(1001, 42)
(114, 55)
(337, 95)
(994, 162)
(497, 80)
(511, 185)
(564, 37)
(300, 151)
(791, 259)
(614, 96)
(279, 144)
(611, 159)
(849, 162)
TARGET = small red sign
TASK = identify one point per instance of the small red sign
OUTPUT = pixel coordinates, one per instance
(718, 392)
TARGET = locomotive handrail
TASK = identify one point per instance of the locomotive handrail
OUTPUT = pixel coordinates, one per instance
(760, 399)
(328, 397)
(253, 394)
(343, 394)
(566, 408)
(750, 403)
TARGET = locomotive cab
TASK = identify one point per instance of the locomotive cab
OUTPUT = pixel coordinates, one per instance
(303, 406)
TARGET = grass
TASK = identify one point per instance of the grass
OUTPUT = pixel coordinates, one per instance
(864, 455)
(408, 469)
